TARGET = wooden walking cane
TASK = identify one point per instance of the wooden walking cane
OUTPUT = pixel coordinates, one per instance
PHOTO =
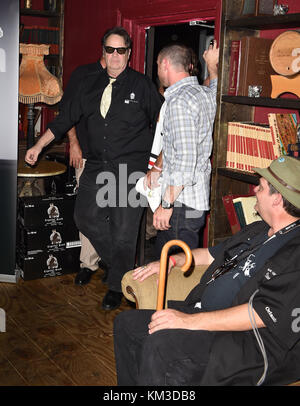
(163, 268)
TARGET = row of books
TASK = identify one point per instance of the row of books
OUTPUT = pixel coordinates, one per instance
(240, 211)
(251, 145)
(41, 35)
(249, 65)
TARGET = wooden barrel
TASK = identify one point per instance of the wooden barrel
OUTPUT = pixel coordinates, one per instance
(285, 53)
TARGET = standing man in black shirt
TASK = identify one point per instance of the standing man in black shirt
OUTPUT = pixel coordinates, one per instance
(78, 152)
(119, 142)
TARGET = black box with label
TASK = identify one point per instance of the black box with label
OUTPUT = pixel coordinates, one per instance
(54, 238)
(46, 263)
(46, 211)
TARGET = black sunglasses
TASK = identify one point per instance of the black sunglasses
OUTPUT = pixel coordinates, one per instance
(111, 50)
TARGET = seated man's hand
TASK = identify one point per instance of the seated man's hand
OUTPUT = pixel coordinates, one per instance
(169, 318)
(143, 272)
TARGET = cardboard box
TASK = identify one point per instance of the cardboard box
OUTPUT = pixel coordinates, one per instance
(45, 264)
(46, 211)
(54, 238)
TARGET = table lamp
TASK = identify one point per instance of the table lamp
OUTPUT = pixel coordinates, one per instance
(37, 85)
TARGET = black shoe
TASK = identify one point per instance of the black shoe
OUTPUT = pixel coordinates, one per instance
(102, 265)
(84, 276)
(112, 300)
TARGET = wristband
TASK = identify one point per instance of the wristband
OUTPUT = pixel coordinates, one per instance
(156, 167)
(172, 260)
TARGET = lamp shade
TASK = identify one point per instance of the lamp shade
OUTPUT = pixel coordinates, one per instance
(36, 83)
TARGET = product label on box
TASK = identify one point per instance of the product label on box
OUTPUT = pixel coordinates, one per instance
(42, 264)
(49, 211)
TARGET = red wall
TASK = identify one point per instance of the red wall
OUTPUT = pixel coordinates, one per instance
(86, 22)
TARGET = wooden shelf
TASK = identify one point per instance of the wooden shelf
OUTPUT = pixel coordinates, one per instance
(263, 101)
(247, 177)
(265, 22)
(238, 108)
(39, 13)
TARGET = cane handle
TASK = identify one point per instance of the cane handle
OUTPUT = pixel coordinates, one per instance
(163, 268)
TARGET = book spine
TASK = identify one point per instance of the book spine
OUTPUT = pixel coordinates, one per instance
(239, 211)
(274, 128)
(231, 213)
(230, 161)
(228, 151)
(234, 67)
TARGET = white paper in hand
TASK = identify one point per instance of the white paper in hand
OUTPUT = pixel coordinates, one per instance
(153, 196)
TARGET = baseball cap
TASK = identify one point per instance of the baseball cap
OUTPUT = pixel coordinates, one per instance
(284, 175)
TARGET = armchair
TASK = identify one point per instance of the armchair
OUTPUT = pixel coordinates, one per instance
(178, 286)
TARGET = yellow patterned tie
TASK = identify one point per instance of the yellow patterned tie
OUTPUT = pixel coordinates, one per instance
(106, 98)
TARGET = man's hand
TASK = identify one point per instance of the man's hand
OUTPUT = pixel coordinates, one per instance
(161, 218)
(143, 272)
(75, 150)
(211, 57)
(169, 318)
(75, 155)
(151, 179)
(32, 155)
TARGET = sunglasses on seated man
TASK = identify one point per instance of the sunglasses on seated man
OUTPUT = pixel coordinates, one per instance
(111, 50)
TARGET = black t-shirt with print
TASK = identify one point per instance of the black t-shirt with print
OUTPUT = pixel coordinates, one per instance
(220, 293)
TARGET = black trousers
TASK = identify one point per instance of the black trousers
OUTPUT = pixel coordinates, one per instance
(166, 358)
(186, 224)
(112, 230)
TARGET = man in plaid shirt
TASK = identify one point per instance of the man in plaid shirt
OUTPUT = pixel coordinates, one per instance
(187, 145)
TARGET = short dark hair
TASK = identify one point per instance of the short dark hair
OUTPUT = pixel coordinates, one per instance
(179, 55)
(289, 207)
(118, 31)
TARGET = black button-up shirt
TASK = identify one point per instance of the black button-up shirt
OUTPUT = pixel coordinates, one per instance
(77, 76)
(126, 134)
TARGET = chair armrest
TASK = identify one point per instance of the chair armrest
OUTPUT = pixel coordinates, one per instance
(178, 286)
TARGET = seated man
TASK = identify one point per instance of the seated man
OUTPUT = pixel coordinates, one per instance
(241, 324)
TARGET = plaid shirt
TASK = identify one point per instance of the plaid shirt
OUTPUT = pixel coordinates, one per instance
(187, 140)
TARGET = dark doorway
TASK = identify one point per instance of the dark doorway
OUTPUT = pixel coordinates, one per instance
(195, 34)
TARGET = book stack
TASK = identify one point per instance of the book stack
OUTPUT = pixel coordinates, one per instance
(250, 145)
(240, 211)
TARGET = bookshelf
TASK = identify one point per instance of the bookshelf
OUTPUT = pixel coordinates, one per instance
(237, 108)
(51, 19)
(43, 21)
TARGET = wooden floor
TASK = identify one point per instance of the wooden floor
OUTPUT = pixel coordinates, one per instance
(56, 333)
